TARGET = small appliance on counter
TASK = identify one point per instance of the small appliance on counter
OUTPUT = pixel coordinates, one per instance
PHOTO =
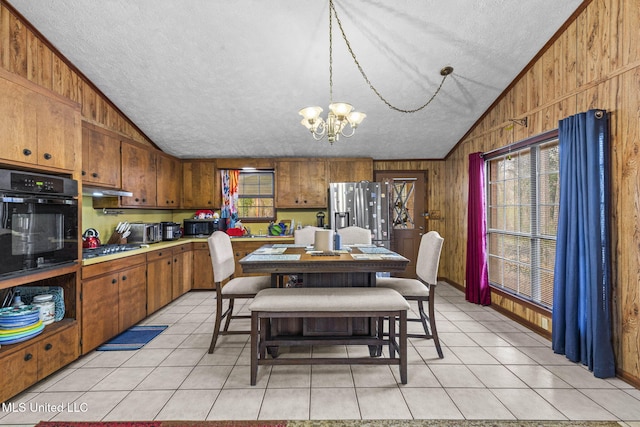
(170, 231)
(145, 233)
(204, 227)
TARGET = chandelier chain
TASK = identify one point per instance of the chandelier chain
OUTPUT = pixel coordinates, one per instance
(364, 75)
(330, 52)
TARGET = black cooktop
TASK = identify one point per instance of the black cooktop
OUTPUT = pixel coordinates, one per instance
(107, 250)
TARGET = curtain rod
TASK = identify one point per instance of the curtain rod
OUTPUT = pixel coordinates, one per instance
(522, 143)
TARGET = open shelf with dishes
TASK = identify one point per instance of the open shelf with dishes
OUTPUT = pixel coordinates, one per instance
(25, 362)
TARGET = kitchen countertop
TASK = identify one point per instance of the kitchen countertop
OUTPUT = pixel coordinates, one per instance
(171, 243)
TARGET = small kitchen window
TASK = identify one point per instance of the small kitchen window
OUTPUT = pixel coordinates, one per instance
(256, 195)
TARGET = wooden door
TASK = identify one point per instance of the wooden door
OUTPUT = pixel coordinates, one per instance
(350, 170)
(17, 124)
(408, 201)
(138, 175)
(59, 133)
(313, 186)
(169, 182)
(100, 157)
(132, 296)
(202, 268)
(18, 371)
(182, 270)
(57, 351)
(159, 279)
(199, 185)
(99, 311)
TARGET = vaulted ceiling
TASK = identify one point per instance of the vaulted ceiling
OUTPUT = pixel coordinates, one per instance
(213, 78)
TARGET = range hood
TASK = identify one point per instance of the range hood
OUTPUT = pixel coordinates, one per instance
(104, 192)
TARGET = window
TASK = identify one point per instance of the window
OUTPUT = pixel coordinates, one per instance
(522, 219)
(256, 195)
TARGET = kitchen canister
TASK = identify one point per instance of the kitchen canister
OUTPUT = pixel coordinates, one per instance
(47, 307)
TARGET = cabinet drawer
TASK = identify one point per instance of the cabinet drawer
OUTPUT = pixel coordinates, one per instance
(110, 266)
(160, 253)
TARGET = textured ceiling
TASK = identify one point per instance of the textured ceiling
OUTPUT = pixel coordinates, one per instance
(213, 78)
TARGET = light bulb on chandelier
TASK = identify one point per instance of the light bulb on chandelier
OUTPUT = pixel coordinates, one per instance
(341, 119)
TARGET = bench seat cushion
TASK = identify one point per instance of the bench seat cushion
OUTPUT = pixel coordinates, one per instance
(328, 300)
(406, 287)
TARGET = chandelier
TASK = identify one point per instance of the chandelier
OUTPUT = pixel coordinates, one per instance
(341, 119)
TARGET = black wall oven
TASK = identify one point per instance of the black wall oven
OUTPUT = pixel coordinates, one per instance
(38, 222)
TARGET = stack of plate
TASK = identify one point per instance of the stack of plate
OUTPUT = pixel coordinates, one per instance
(19, 324)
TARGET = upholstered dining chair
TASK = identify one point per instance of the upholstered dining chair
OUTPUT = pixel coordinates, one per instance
(305, 235)
(423, 288)
(353, 235)
(235, 288)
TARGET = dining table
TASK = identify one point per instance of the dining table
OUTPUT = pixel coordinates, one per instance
(352, 266)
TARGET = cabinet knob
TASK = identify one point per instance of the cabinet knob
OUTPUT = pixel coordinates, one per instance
(95, 175)
(169, 262)
(26, 152)
(209, 202)
(47, 156)
(137, 200)
(84, 173)
(114, 281)
(28, 357)
(124, 277)
(48, 346)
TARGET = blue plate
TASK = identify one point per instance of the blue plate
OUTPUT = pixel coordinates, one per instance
(13, 312)
(23, 338)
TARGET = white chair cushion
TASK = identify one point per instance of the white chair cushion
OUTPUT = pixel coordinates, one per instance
(328, 300)
(246, 285)
(406, 287)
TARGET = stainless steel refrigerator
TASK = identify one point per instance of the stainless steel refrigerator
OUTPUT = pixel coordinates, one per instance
(363, 204)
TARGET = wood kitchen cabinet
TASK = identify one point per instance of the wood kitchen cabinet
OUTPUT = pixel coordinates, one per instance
(100, 156)
(138, 175)
(168, 181)
(159, 279)
(301, 183)
(202, 268)
(23, 366)
(113, 298)
(182, 270)
(350, 169)
(199, 185)
(25, 363)
(38, 127)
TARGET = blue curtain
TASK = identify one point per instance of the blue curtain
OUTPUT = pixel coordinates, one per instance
(582, 278)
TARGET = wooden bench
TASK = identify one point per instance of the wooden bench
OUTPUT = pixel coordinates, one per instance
(375, 303)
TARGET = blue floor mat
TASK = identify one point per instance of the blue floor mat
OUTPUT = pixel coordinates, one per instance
(133, 338)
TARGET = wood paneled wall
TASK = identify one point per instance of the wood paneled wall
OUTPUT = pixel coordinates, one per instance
(25, 53)
(593, 63)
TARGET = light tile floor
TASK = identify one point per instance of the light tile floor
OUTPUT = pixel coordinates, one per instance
(493, 369)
